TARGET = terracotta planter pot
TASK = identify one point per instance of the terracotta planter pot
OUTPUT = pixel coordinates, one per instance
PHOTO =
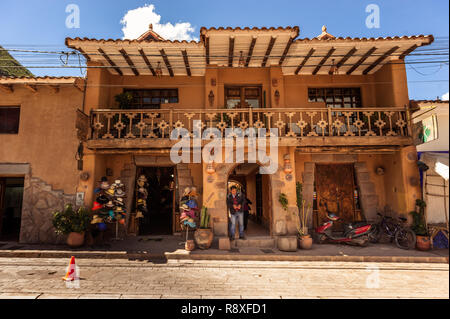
(305, 242)
(190, 245)
(75, 239)
(423, 243)
(203, 238)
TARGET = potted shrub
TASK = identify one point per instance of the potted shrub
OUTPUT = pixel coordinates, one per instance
(286, 243)
(304, 239)
(204, 235)
(72, 223)
(419, 226)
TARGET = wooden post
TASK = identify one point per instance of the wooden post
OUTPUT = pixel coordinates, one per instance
(408, 121)
(170, 120)
(330, 124)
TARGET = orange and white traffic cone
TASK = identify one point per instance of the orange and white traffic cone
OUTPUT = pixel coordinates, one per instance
(71, 273)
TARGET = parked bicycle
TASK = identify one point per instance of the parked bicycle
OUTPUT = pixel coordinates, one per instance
(395, 230)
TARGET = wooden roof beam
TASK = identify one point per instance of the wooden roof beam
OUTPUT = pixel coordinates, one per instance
(80, 84)
(405, 53)
(344, 59)
(380, 59)
(269, 49)
(166, 61)
(54, 88)
(128, 60)
(230, 51)
(7, 88)
(360, 61)
(147, 62)
(106, 57)
(322, 62)
(86, 56)
(301, 65)
(186, 62)
(286, 51)
(250, 51)
(32, 88)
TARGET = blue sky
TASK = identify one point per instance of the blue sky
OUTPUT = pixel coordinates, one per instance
(32, 24)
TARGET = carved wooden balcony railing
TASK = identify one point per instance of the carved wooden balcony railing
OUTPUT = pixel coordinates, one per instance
(294, 123)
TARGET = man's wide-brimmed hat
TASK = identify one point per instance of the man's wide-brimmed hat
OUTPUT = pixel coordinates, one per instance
(119, 193)
(139, 214)
(96, 219)
(193, 192)
(102, 199)
(97, 206)
(110, 191)
(187, 190)
(104, 185)
(185, 207)
(118, 183)
(109, 204)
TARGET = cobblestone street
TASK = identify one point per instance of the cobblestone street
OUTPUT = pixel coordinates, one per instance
(106, 278)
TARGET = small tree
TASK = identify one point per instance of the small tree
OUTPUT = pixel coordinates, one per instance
(69, 220)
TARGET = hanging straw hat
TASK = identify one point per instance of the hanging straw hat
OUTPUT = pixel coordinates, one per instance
(119, 201)
(110, 191)
(109, 204)
(96, 219)
(142, 178)
(139, 214)
(187, 190)
(118, 209)
(185, 207)
(119, 192)
(97, 206)
(104, 185)
(193, 192)
(118, 183)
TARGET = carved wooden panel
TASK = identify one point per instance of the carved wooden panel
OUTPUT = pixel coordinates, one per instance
(335, 186)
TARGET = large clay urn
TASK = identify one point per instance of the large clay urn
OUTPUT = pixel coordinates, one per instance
(305, 242)
(75, 239)
(423, 243)
(203, 237)
(189, 245)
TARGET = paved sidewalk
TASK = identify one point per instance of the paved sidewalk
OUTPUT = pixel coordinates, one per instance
(40, 278)
(172, 247)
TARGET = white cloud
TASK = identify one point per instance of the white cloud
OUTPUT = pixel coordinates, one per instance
(135, 22)
(444, 97)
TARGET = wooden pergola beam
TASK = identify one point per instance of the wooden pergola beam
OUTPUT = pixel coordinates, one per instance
(7, 88)
(230, 51)
(186, 62)
(322, 62)
(80, 84)
(111, 62)
(360, 61)
(345, 58)
(147, 62)
(250, 51)
(268, 51)
(302, 64)
(86, 56)
(166, 61)
(207, 50)
(286, 51)
(128, 60)
(380, 59)
(32, 88)
(406, 52)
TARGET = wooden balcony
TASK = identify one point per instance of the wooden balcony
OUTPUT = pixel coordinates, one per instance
(301, 127)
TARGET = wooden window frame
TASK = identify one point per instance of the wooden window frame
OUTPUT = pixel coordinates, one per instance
(17, 128)
(355, 93)
(151, 93)
(242, 95)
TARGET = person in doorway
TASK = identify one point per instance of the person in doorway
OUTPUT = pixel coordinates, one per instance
(235, 202)
(246, 209)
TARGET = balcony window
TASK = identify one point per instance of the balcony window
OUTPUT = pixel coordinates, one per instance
(336, 97)
(9, 119)
(243, 97)
(152, 98)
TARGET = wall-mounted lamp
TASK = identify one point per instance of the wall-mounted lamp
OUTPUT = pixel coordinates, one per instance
(210, 169)
(211, 98)
(213, 82)
(277, 97)
(287, 164)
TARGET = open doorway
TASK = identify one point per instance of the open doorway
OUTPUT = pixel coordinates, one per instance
(11, 197)
(256, 189)
(160, 201)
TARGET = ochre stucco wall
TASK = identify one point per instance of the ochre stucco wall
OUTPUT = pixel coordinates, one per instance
(47, 137)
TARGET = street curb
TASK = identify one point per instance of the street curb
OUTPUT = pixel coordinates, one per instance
(230, 256)
(377, 259)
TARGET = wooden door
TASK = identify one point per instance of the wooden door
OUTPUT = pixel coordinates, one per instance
(335, 187)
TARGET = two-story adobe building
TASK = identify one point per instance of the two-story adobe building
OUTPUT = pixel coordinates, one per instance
(339, 107)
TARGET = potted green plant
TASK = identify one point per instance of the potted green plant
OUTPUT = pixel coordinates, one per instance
(419, 226)
(72, 223)
(286, 243)
(304, 238)
(124, 100)
(204, 235)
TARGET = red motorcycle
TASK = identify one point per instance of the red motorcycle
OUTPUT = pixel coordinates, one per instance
(353, 234)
